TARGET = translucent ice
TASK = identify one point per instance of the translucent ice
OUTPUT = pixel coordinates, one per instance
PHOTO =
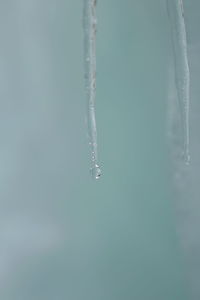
(182, 72)
(89, 23)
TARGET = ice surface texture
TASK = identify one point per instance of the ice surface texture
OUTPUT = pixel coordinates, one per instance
(182, 72)
(89, 24)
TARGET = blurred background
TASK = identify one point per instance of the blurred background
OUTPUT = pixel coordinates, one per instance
(134, 233)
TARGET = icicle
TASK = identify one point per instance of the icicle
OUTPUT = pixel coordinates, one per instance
(89, 23)
(182, 72)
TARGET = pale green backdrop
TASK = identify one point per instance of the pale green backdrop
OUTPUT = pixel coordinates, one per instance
(63, 235)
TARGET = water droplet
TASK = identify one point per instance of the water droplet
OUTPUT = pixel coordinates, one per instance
(95, 172)
(186, 158)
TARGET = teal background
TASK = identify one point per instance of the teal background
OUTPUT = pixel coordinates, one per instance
(64, 235)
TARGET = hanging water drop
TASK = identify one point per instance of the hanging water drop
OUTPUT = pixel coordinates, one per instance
(89, 24)
(95, 172)
(182, 72)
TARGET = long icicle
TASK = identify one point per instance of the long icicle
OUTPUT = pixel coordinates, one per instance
(182, 72)
(89, 24)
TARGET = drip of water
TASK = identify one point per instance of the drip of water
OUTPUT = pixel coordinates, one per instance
(89, 25)
(182, 72)
(95, 172)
